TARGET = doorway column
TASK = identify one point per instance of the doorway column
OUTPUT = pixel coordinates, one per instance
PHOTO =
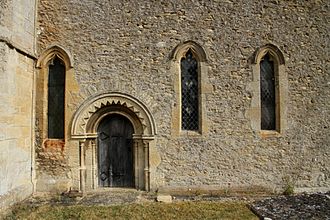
(145, 141)
(82, 167)
(94, 162)
(136, 139)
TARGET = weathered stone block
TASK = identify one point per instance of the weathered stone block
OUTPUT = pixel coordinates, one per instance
(164, 198)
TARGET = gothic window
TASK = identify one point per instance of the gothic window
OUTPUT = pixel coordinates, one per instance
(267, 94)
(56, 94)
(269, 89)
(189, 92)
(189, 66)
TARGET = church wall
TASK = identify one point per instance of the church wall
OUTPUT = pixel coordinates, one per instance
(17, 24)
(125, 46)
(16, 122)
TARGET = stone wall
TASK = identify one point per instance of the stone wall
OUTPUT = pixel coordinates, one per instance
(125, 46)
(17, 19)
(16, 78)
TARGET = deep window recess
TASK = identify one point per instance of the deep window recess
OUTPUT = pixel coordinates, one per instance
(189, 92)
(267, 89)
(56, 89)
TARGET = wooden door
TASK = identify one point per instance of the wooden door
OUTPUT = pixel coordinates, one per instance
(115, 155)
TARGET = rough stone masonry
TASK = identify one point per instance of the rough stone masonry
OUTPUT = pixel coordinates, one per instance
(127, 47)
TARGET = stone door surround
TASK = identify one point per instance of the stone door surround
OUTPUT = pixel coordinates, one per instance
(84, 130)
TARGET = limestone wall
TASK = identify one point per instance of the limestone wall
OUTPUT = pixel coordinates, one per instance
(16, 121)
(17, 19)
(125, 46)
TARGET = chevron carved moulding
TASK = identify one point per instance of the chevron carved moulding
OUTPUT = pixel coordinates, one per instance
(91, 112)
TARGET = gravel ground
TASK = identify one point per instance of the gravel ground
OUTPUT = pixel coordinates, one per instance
(302, 206)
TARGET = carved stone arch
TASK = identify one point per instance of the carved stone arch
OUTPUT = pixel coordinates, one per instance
(87, 117)
(53, 51)
(274, 52)
(118, 109)
(84, 128)
(181, 49)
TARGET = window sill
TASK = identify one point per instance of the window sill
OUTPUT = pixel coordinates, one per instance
(268, 134)
(54, 143)
(188, 133)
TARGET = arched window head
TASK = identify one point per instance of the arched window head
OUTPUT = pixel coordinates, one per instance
(56, 98)
(267, 93)
(189, 92)
(50, 53)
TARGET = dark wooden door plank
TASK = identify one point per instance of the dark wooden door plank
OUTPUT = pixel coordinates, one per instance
(115, 152)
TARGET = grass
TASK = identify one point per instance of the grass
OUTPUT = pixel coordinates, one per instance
(158, 211)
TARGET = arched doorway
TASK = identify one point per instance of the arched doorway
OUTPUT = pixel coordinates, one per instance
(93, 122)
(115, 152)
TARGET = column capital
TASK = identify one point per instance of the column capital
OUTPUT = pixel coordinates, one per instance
(82, 142)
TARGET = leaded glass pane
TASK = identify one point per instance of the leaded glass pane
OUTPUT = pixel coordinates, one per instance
(267, 86)
(56, 86)
(189, 92)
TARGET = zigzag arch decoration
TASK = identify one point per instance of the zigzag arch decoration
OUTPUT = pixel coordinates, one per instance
(82, 118)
